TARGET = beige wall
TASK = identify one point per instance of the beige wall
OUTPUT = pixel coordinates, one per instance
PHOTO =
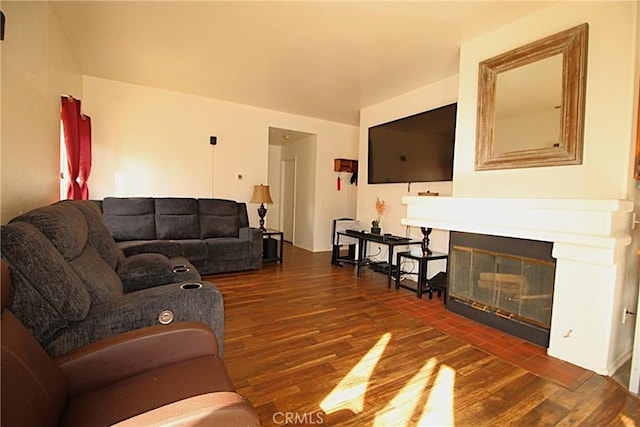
(331, 203)
(152, 142)
(37, 67)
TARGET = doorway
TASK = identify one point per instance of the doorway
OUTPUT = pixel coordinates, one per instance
(288, 198)
(292, 177)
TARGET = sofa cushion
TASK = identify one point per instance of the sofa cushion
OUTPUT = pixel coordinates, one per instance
(194, 249)
(99, 235)
(48, 294)
(99, 278)
(63, 225)
(177, 218)
(131, 218)
(218, 218)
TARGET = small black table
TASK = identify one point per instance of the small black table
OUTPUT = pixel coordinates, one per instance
(437, 283)
(391, 241)
(267, 236)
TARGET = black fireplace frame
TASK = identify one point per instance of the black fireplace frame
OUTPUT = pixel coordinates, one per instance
(519, 247)
(513, 326)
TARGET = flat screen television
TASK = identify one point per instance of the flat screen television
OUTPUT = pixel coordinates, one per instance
(417, 148)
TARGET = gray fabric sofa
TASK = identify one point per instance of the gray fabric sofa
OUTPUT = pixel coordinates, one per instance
(73, 285)
(213, 234)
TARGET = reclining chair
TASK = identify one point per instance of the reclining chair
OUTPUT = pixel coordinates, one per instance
(159, 375)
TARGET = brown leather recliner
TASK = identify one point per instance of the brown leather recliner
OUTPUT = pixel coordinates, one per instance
(160, 375)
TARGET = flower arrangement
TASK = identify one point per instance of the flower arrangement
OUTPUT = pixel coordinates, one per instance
(380, 208)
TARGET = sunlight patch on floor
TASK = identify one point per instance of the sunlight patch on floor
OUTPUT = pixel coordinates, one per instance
(401, 408)
(438, 410)
(628, 421)
(350, 392)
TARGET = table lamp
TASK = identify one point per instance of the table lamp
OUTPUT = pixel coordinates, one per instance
(261, 195)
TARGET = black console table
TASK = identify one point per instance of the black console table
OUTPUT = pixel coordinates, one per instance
(385, 239)
(437, 283)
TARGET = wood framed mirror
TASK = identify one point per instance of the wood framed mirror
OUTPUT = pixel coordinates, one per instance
(531, 104)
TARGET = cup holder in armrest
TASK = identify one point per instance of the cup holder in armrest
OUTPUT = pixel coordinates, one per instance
(181, 269)
(193, 285)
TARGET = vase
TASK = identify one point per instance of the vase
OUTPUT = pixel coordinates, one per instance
(375, 230)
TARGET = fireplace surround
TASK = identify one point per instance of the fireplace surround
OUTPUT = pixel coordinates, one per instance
(590, 239)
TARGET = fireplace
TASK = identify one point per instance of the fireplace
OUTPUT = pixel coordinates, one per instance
(590, 241)
(503, 282)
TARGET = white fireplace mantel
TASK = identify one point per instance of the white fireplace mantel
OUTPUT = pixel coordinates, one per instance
(589, 238)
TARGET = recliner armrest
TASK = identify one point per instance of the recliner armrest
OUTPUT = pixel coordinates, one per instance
(124, 355)
(212, 409)
(250, 233)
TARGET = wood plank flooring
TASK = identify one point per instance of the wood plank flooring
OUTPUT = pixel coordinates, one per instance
(310, 344)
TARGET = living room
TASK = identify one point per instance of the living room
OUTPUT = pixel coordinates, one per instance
(153, 141)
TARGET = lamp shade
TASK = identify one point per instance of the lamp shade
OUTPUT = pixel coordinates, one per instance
(261, 194)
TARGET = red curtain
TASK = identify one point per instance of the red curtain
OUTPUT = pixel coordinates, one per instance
(77, 140)
(85, 155)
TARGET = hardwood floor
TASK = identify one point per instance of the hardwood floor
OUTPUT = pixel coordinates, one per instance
(310, 344)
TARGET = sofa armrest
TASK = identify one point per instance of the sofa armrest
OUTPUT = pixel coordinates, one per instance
(141, 309)
(254, 235)
(168, 248)
(213, 409)
(250, 233)
(124, 355)
(147, 270)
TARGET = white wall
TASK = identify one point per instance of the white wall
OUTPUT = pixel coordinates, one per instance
(153, 142)
(37, 67)
(331, 203)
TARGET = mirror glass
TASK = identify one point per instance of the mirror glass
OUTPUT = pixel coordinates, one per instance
(531, 104)
(528, 103)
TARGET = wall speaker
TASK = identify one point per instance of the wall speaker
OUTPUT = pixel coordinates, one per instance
(1, 25)
(213, 140)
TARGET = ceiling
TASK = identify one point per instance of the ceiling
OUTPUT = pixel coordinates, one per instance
(323, 59)
(279, 136)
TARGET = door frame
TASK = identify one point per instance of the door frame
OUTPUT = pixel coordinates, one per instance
(283, 184)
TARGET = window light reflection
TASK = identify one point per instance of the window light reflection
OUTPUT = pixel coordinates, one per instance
(350, 391)
(400, 409)
(438, 410)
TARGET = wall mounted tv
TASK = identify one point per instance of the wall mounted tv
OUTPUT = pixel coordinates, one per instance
(417, 148)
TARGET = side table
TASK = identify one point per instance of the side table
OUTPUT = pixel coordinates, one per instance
(272, 248)
(437, 282)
